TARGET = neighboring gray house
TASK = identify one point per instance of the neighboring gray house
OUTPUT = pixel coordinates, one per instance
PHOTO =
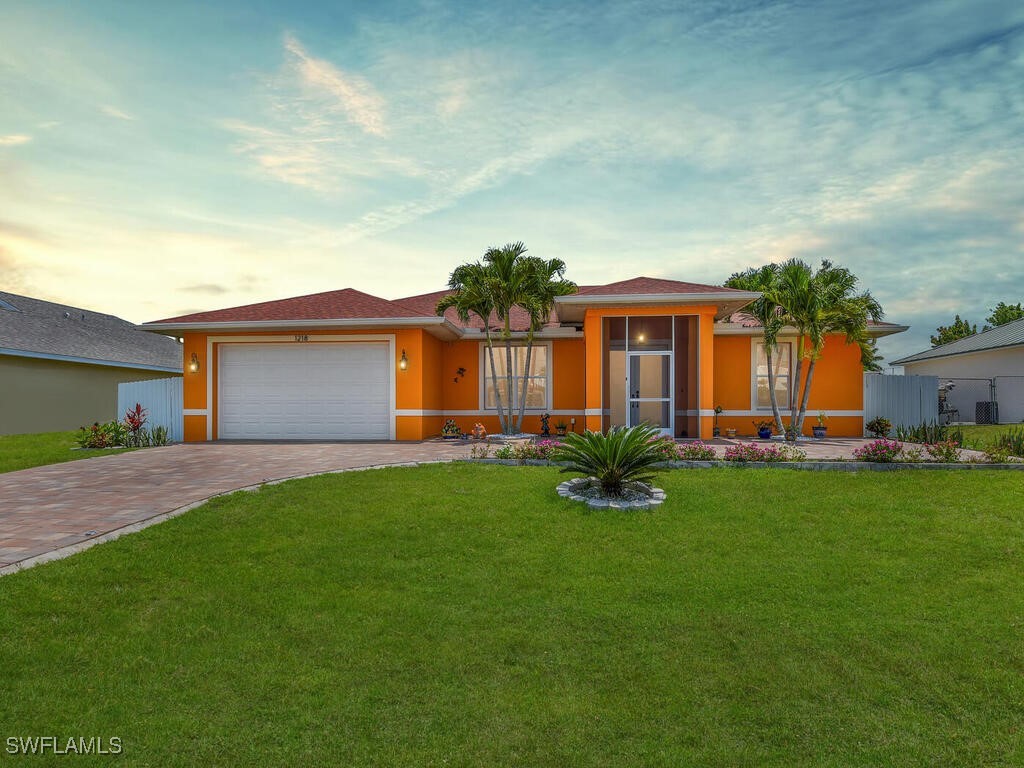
(60, 366)
(986, 366)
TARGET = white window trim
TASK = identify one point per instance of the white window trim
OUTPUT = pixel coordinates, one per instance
(483, 376)
(754, 342)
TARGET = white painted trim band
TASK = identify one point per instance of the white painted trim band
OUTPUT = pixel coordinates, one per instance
(195, 412)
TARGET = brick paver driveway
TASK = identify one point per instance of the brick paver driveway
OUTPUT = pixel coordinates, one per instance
(44, 509)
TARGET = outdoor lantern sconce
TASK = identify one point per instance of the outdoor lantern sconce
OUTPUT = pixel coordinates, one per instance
(403, 364)
(194, 364)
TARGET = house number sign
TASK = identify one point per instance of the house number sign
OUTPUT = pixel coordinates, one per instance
(302, 337)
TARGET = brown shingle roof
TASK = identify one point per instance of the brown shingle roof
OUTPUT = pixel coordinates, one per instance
(346, 304)
(649, 285)
(349, 303)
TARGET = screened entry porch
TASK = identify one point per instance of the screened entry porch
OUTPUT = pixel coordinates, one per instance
(650, 373)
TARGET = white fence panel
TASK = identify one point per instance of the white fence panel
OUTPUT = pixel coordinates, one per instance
(904, 400)
(1010, 396)
(161, 397)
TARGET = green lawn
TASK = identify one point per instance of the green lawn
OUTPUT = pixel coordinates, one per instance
(24, 451)
(464, 615)
(984, 435)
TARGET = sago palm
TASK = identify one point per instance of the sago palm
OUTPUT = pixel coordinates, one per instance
(621, 456)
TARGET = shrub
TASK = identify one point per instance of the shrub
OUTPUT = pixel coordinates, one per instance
(109, 435)
(792, 453)
(997, 454)
(134, 421)
(665, 447)
(542, 449)
(946, 452)
(879, 427)
(479, 451)
(696, 452)
(1012, 442)
(504, 452)
(885, 451)
(913, 455)
(745, 452)
(930, 433)
(621, 456)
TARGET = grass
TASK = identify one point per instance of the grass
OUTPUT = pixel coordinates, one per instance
(464, 615)
(24, 451)
(985, 435)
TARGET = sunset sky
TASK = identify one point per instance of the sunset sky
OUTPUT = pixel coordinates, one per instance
(157, 159)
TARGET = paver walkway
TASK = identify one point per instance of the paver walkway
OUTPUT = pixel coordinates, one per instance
(61, 505)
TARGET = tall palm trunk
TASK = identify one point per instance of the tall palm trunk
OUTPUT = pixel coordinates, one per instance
(526, 383)
(507, 426)
(794, 395)
(807, 392)
(494, 382)
(771, 391)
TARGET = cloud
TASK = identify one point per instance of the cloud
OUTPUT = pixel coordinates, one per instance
(336, 90)
(213, 289)
(115, 112)
(14, 139)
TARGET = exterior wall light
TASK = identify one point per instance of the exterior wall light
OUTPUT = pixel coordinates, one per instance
(403, 364)
(193, 365)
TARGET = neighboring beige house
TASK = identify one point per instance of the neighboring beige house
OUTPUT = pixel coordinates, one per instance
(985, 366)
(60, 366)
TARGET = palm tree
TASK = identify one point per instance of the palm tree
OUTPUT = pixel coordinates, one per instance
(506, 284)
(544, 282)
(818, 304)
(769, 314)
(471, 295)
(507, 278)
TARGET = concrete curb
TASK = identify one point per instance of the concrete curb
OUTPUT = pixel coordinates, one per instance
(81, 546)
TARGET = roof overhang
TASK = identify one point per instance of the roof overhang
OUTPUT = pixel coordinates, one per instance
(917, 358)
(87, 360)
(741, 329)
(572, 308)
(436, 326)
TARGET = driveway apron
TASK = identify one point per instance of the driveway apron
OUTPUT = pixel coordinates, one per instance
(51, 508)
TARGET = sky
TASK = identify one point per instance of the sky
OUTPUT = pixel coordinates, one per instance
(163, 158)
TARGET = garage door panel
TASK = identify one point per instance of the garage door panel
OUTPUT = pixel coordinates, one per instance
(305, 391)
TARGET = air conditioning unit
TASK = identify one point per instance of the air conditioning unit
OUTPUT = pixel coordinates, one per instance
(986, 412)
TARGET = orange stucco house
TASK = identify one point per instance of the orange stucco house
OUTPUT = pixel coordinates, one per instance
(344, 365)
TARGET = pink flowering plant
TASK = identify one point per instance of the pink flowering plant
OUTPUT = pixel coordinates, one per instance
(882, 451)
(745, 452)
(945, 451)
(664, 446)
(696, 451)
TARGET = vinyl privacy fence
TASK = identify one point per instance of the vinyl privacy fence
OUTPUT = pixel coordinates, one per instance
(161, 397)
(904, 400)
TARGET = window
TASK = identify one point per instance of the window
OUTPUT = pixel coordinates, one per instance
(781, 361)
(537, 381)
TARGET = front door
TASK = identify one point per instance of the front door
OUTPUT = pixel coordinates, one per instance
(649, 390)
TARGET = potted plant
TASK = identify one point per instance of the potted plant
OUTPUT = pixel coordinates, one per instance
(716, 432)
(791, 433)
(561, 427)
(450, 430)
(764, 429)
(819, 429)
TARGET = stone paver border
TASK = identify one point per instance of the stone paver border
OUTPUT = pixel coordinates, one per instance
(570, 490)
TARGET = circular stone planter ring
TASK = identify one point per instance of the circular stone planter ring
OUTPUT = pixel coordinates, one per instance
(575, 490)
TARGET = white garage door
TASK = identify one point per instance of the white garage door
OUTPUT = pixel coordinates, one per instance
(304, 391)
